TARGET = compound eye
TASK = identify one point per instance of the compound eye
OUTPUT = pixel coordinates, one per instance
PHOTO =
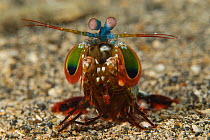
(111, 22)
(94, 24)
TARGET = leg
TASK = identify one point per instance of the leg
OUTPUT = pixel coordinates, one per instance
(69, 122)
(143, 115)
(129, 118)
(82, 108)
(88, 122)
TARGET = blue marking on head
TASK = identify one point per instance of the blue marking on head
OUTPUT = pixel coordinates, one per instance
(104, 33)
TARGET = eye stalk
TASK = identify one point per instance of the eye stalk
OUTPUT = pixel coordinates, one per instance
(94, 24)
(110, 23)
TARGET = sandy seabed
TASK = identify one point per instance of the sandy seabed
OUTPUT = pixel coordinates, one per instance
(31, 66)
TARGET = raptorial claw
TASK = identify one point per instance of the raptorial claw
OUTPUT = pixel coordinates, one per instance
(160, 101)
(156, 101)
(67, 106)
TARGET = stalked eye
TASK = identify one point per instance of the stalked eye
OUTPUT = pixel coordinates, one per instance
(111, 22)
(94, 24)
